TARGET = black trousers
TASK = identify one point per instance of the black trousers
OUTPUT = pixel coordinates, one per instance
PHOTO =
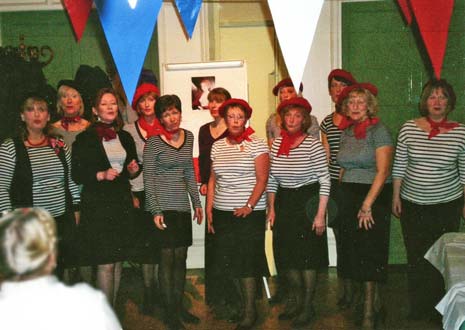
(422, 225)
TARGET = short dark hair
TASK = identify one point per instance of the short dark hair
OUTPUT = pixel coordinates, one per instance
(340, 79)
(430, 87)
(29, 103)
(165, 103)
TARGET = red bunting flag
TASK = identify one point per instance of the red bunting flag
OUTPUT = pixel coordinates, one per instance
(78, 12)
(433, 18)
(404, 6)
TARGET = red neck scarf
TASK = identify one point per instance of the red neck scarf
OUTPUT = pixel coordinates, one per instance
(105, 131)
(65, 121)
(435, 126)
(244, 136)
(152, 130)
(360, 128)
(287, 141)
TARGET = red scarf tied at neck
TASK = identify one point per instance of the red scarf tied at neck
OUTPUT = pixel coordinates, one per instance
(105, 131)
(360, 128)
(244, 136)
(155, 129)
(65, 121)
(435, 126)
(287, 141)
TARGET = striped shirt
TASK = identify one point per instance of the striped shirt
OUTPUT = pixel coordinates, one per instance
(234, 168)
(432, 171)
(306, 164)
(333, 135)
(169, 177)
(48, 182)
(137, 184)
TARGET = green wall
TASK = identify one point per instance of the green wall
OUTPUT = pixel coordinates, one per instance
(378, 47)
(53, 28)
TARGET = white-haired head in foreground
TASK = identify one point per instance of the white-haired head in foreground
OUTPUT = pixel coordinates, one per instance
(28, 244)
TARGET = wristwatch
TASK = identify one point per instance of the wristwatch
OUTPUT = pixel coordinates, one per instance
(250, 206)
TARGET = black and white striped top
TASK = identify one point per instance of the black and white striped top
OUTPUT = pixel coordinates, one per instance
(306, 164)
(432, 171)
(333, 135)
(48, 182)
(169, 177)
(234, 168)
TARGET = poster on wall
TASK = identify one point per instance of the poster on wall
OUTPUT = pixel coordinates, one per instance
(193, 81)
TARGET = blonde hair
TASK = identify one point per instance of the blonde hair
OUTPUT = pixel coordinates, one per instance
(27, 241)
(371, 100)
(62, 92)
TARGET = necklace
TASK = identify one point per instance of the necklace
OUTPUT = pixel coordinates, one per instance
(41, 142)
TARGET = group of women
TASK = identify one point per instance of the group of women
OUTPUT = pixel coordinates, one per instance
(109, 210)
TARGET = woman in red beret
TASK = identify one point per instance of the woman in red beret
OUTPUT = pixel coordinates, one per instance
(298, 173)
(146, 251)
(236, 203)
(338, 79)
(285, 90)
(365, 157)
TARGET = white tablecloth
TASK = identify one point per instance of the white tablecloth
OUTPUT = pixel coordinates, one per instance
(448, 255)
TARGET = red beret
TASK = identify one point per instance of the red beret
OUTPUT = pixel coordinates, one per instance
(141, 90)
(340, 73)
(286, 82)
(295, 101)
(235, 102)
(346, 91)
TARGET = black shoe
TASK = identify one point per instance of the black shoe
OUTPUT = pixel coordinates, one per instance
(175, 324)
(344, 303)
(189, 318)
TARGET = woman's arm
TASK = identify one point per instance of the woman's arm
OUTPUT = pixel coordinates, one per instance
(324, 142)
(262, 169)
(270, 214)
(209, 204)
(7, 168)
(396, 202)
(383, 166)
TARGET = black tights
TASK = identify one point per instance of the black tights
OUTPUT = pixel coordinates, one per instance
(172, 277)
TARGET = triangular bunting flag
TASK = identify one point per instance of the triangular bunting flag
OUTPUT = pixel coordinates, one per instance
(295, 23)
(78, 12)
(404, 6)
(189, 11)
(433, 18)
(128, 31)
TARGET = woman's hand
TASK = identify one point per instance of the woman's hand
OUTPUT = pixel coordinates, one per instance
(319, 225)
(159, 222)
(108, 175)
(133, 167)
(135, 202)
(242, 212)
(396, 207)
(365, 219)
(77, 217)
(198, 215)
(203, 189)
(210, 228)
(270, 216)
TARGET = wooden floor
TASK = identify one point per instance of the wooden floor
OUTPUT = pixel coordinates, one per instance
(328, 316)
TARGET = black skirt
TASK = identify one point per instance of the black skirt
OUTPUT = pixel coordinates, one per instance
(146, 249)
(240, 243)
(295, 244)
(365, 252)
(178, 231)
